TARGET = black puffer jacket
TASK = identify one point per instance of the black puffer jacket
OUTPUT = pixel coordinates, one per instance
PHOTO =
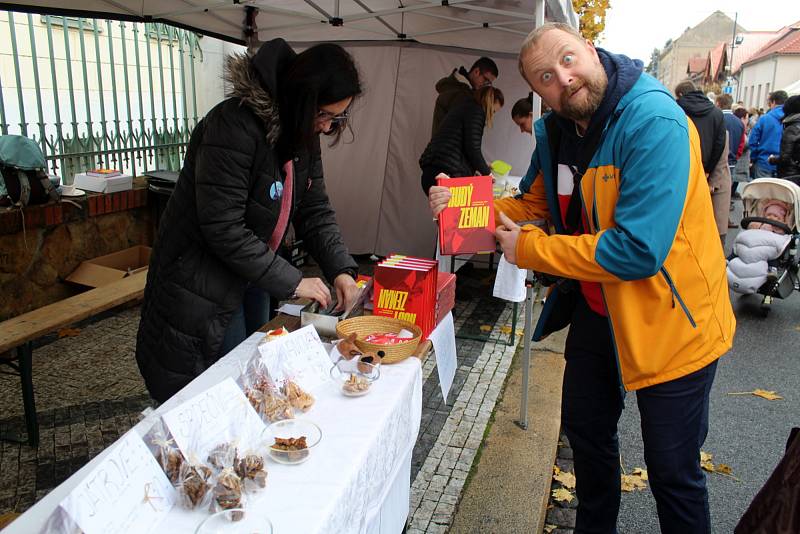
(212, 239)
(451, 91)
(456, 148)
(789, 161)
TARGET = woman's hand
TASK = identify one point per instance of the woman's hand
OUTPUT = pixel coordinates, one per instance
(346, 292)
(314, 288)
(438, 197)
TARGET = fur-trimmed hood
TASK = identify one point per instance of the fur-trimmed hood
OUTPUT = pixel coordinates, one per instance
(254, 80)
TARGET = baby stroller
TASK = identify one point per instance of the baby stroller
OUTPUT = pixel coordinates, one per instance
(766, 262)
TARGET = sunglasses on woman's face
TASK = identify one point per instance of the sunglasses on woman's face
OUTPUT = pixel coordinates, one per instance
(337, 120)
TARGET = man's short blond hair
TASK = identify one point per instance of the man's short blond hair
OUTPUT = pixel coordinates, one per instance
(533, 38)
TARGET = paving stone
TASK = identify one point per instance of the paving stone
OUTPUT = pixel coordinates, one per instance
(563, 517)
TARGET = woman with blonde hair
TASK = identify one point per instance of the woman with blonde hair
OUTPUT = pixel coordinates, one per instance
(455, 149)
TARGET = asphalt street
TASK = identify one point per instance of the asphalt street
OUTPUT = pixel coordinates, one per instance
(745, 432)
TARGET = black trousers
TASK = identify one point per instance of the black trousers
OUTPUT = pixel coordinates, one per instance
(674, 419)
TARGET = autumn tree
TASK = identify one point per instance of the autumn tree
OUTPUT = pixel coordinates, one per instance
(592, 16)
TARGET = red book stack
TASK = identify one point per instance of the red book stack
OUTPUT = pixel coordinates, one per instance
(445, 295)
(405, 288)
(466, 225)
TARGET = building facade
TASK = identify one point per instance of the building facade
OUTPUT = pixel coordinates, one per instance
(775, 66)
(695, 42)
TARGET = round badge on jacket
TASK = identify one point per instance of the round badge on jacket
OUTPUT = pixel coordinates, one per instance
(276, 190)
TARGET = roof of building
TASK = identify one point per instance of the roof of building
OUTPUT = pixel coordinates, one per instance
(786, 42)
(752, 43)
(696, 65)
(717, 59)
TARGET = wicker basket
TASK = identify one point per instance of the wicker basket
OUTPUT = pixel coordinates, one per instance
(371, 324)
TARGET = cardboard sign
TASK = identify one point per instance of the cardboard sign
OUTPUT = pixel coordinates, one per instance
(300, 356)
(126, 492)
(220, 414)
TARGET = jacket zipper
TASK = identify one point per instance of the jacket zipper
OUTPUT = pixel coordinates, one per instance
(676, 295)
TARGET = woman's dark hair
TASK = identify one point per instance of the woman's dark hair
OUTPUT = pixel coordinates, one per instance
(522, 107)
(322, 75)
(740, 112)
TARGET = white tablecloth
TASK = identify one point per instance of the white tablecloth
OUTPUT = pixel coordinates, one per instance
(356, 480)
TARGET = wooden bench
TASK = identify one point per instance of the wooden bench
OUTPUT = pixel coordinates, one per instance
(19, 332)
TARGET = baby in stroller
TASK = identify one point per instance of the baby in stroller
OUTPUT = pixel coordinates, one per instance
(765, 253)
(775, 210)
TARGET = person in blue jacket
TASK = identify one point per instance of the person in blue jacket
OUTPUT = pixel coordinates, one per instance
(765, 138)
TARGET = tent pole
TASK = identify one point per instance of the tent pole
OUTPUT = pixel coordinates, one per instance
(530, 296)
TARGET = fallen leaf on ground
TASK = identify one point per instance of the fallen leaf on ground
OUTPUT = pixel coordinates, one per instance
(68, 332)
(769, 395)
(562, 495)
(548, 529)
(556, 470)
(763, 393)
(633, 483)
(705, 461)
(566, 478)
(639, 472)
(486, 328)
(505, 329)
(724, 469)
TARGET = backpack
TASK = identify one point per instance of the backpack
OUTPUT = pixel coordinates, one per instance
(23, 180)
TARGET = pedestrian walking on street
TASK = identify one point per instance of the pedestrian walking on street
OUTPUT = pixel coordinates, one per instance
(617, 173)
(765, 138)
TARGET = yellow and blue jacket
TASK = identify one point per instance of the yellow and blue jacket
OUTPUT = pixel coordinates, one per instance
(652, 242)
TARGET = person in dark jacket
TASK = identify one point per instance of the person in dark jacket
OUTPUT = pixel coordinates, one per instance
(252, 166)
(788, 161)
(522, 114)
(455, 150)
(708, 120)
(710, 124)
(459, 86)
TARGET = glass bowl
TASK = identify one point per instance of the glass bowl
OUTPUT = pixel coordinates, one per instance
(354, 377)
(291, 429)
(250, 521)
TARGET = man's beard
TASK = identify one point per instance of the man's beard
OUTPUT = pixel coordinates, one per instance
(582, 109)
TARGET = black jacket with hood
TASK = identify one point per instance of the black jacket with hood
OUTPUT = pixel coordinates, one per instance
(213, 235)
(456, 148)
(710, 124)
(789, 159)
(452, 90)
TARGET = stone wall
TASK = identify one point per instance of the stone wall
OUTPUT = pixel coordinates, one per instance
(57, 237)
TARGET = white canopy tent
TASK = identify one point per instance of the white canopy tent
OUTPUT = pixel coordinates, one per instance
(402, 48)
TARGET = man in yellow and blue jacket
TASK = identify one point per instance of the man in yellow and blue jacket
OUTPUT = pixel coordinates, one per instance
(618, 173)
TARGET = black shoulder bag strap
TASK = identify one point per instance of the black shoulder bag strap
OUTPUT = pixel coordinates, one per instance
(573, 222)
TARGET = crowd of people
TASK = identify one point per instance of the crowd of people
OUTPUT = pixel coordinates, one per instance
(633, 183)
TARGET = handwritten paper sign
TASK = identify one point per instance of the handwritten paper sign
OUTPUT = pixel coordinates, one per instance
(219, 415)
(299, 356)
(126, 492)
(443, 338)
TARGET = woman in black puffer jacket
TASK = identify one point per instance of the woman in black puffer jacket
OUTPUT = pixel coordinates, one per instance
(455, 150)
(252, 166)
(789, 159)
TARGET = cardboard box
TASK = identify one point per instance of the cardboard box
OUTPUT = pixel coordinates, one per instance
(103, 184)
(111, 267)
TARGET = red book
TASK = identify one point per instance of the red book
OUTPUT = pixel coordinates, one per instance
(466, 225)
(406, 289)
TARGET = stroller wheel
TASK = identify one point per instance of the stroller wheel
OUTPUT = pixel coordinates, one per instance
(766, 305)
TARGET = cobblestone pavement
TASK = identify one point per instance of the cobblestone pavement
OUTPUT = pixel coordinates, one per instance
(89, 392)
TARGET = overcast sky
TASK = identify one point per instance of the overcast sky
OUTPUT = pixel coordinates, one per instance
(636, 27)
